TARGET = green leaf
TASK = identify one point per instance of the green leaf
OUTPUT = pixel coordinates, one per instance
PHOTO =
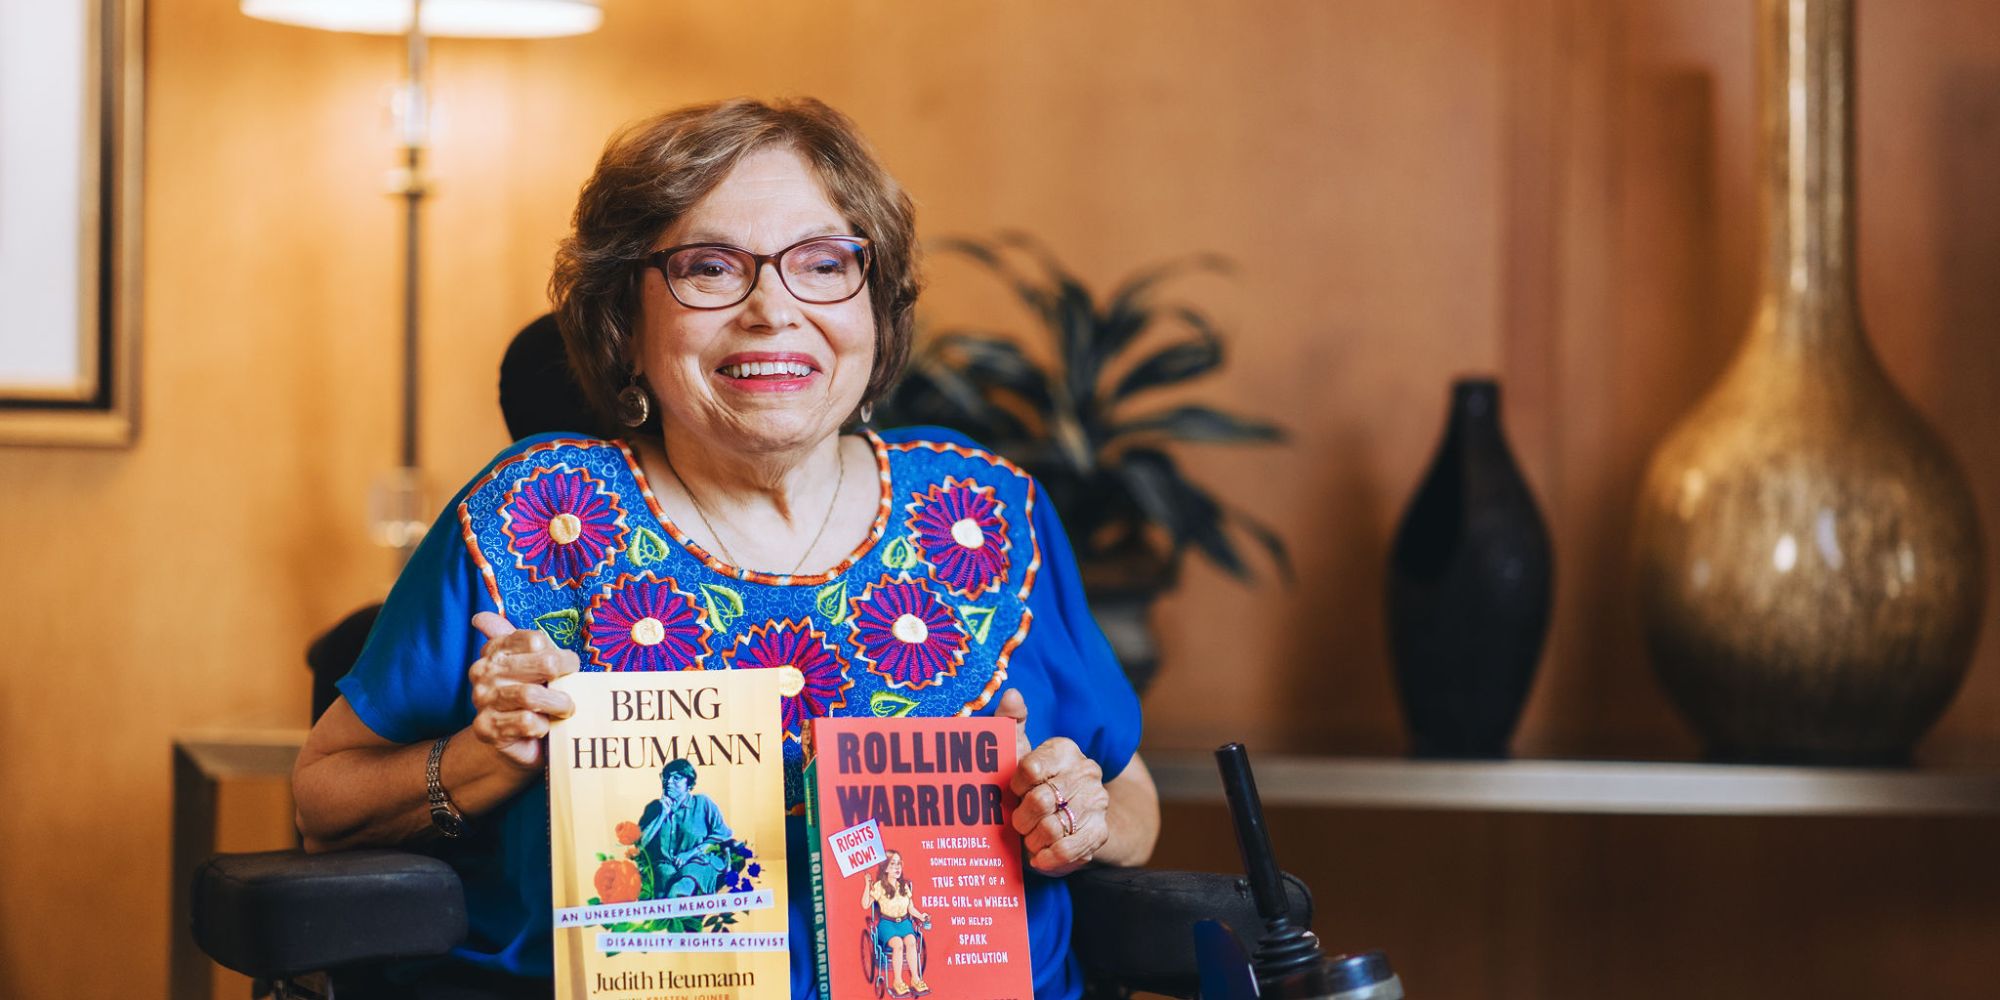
(1130, 310)
(1205, 518)
(899, 554)
(1189, 515)
(934, 391)
(724, 606)
(647, 547)
(1033, 295)
(1268, 538)
(1177, 362)
(884, 705)
(1069, 314)
(831, 601)
(995, 362)
(1200, 423)
(560, 626)
(1153, 481)
(983, 616)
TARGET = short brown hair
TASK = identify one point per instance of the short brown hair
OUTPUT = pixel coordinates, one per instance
(653, 171)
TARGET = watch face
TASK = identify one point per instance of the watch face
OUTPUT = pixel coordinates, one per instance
(447, 822)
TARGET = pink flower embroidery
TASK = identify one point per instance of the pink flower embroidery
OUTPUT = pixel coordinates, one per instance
(815, 680)
(905, 634)
(961, 531)
(562, 525)
(645, 623)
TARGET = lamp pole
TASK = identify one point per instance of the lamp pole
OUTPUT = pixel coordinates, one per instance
(397, 513)
(416, 137)
(404, 521)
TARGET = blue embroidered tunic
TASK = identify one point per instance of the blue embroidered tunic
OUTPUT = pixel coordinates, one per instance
(965, 585)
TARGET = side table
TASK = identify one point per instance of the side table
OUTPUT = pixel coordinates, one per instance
(203, 760)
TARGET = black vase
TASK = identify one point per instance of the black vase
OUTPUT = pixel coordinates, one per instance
(1470, 583)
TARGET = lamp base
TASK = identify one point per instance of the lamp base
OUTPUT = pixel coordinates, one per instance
(397, 514)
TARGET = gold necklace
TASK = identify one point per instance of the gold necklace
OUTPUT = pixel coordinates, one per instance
(839, 477)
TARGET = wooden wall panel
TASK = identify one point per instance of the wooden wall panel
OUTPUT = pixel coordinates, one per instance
(1556, 191)
(1929, 224)
(173, 584)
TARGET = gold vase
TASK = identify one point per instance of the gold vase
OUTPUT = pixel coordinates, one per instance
(1809, 569)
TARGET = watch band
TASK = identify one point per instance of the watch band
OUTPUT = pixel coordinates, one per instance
(444, 812)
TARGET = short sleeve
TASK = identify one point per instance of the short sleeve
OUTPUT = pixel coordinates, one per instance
(1093, 702)
(1072, 681)
(409, 683)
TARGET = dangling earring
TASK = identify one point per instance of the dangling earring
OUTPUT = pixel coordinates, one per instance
(635, 407)
(867, 412)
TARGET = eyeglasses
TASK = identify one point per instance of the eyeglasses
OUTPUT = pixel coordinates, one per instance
(821, 270)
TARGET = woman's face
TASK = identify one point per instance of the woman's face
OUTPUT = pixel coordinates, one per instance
(693, 358)
(895, 868)
(676, 786)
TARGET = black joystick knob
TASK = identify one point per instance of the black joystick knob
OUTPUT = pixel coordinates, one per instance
(1285, 948)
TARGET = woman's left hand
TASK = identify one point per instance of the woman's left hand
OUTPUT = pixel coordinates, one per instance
(1064, 813)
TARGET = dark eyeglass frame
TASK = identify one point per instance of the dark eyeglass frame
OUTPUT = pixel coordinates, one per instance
(657, 260)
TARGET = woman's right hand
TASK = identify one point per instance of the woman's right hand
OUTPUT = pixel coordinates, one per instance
(511, 701)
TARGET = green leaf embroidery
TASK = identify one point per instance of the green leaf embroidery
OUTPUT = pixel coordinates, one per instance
(647, 547)
(900, 554)
(832, 601)
(724, 606)
(889, 706)
(560, 626)
(981, 619)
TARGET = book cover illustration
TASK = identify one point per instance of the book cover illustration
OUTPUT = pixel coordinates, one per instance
(667, 837)
(916, 868)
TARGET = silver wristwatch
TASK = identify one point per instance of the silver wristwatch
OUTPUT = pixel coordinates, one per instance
(444, 813)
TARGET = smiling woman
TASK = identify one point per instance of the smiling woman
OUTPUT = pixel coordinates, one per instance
(754, 367)
(657, 173)
(894, 573)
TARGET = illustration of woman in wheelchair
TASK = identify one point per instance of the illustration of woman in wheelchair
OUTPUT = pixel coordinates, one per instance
(891, 943)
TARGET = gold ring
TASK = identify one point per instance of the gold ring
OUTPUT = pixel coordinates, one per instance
(1068, 819)
(1061, 799)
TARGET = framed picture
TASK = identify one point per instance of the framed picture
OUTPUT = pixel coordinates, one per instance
(71, 75)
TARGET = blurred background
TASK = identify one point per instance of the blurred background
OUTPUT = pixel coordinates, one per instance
(1556, 193)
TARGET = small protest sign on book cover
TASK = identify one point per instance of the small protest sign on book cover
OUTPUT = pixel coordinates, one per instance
(667, 836)
(916, 868)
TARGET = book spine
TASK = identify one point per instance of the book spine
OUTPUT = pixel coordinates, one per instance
(822, 968)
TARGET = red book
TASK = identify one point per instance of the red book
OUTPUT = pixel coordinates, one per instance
(916, 867)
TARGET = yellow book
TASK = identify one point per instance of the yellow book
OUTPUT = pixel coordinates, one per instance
(667, 833)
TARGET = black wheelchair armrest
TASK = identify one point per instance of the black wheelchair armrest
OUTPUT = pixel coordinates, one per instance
(1135, 926)
(286, 913)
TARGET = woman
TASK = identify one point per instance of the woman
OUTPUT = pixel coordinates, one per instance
(740, 285)
(894, 901)
(680, 834)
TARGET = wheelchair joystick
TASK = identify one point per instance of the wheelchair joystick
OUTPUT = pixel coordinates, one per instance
(1288, 963)
(1285, 947)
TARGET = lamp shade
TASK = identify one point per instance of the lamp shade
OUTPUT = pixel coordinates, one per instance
(442, 18)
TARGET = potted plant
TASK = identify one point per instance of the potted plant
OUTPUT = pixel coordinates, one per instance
(1081, 427)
